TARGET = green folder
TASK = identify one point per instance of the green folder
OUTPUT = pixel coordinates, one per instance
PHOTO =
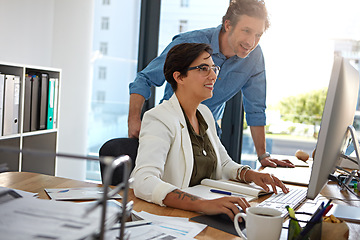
(50, 110)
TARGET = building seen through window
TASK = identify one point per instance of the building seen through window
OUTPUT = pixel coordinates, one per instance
(104, 23)
(102, 73)
(103, 48)
(101, 96)
(183, 26)
(184, 3)
(114, 58)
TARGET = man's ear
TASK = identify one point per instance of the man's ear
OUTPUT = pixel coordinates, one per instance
(227, 25)
(178, 78)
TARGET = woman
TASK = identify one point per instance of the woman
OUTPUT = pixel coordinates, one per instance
(178, 145)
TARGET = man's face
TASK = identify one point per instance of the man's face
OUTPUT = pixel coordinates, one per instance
(245, 35)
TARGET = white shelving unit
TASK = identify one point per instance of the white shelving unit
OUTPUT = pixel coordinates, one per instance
(36, 140)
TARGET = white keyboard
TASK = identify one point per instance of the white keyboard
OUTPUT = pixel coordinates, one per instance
(278, 201)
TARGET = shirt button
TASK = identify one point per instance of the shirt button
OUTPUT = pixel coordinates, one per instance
(219, 78)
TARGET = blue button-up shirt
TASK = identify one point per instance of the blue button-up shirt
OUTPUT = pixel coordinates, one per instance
(245, 74)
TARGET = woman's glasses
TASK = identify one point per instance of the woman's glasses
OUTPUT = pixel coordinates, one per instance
(205, 69)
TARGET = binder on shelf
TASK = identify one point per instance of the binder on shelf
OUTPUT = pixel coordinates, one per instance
(50, 109)
(44, 88)
(27, 103)
(34, 112)
(2, 88)
(56, 96)
(11, 105)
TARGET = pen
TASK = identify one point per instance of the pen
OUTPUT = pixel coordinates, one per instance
(63, 191)
(226, 193)
(132, 224)
(327, 209)
(313, 220)
(328, 203)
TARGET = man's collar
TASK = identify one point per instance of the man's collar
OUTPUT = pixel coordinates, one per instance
(215, 40)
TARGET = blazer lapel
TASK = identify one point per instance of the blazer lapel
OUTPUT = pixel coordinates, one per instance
(185, 141)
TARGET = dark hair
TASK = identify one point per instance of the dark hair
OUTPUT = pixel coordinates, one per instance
(251, 8)
(180, 57)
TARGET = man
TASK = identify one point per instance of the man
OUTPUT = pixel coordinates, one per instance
(236, 51)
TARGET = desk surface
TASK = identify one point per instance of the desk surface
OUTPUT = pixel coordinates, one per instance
(34, 182)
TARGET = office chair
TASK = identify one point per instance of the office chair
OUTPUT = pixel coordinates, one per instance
(115, 148)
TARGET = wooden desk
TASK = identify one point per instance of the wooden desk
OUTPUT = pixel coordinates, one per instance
(34, 182)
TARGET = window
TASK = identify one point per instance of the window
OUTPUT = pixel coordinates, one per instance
(197, 15)
(118, 65)
(304, 69)
(102, 73)
(183, 26)
(184, 3)
(104, 23)
(104, 48)
(101, 95)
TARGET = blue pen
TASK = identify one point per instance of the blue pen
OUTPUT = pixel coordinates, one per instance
(226, 193)
(313, 220)
(63, 191)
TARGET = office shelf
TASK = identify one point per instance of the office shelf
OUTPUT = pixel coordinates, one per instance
(34, 139)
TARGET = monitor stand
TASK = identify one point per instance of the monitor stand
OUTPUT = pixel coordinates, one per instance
(355, 143)
(344, 212)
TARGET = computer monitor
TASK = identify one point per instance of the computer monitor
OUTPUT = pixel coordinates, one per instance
(338, 114)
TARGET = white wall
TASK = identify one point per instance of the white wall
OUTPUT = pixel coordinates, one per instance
(26, 31)
(55, 33)
(71, 51)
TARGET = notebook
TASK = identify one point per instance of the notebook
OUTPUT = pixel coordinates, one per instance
(247, 191)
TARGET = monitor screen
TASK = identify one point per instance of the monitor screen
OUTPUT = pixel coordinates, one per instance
(338, 114)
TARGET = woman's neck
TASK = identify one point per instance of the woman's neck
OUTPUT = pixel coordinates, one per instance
(189, 105)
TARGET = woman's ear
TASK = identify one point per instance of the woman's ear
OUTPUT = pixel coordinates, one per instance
(177, 76)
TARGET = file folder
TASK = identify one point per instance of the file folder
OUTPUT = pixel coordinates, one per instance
(44, 88)
(11, 105)
(34, 113)
(56, 96)
(50, 109)
(27, 103)
(2, 88)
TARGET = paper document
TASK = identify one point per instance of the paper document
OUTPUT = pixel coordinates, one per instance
(31, 218)
(20, 192)
(297, 175)
(163, 227)
(83, 193)
(294, 160)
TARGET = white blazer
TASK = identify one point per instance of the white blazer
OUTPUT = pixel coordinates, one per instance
(165, 158)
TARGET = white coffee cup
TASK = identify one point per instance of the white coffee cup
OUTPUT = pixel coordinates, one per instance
(261, 223)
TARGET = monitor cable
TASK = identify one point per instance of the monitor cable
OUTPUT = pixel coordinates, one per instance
(345, 184)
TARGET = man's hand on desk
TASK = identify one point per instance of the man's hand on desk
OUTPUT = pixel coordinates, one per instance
(273, 162)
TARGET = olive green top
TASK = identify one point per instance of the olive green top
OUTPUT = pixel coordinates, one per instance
(204, 155)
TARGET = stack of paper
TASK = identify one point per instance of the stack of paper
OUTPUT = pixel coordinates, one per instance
(161, 227)
(30, 218)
